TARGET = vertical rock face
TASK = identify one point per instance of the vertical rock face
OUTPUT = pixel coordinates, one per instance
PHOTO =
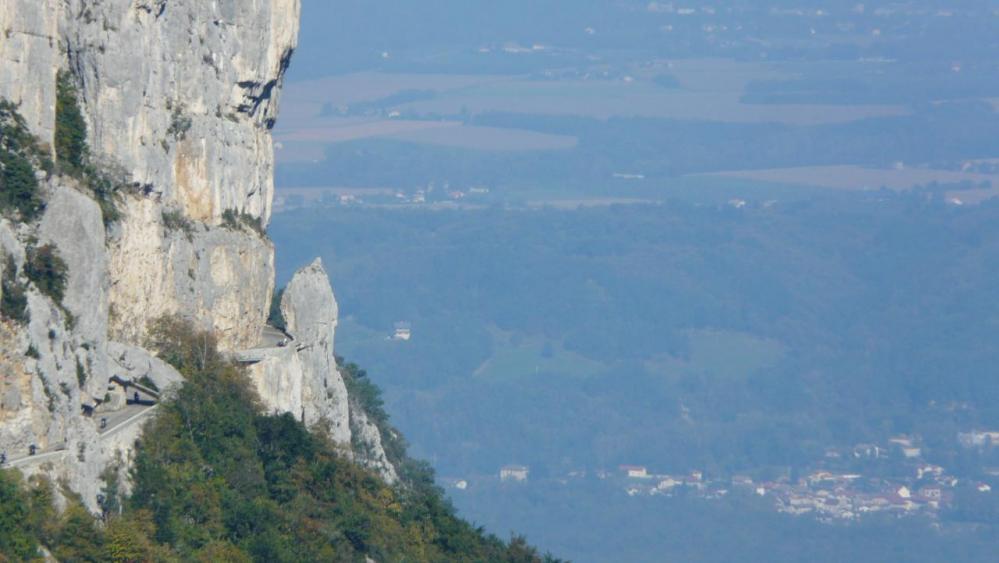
(180, 95)
(54, 362)
(302, 377)
(29, 59)
(73, 223)
(311, 314)
(183, 93)
(221, 277)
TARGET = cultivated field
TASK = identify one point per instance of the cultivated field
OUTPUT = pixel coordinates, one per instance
(708, 90)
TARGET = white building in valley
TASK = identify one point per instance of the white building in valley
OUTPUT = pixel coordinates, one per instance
(516, 473)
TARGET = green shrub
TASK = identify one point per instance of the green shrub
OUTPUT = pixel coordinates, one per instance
(81, 374)
(18, 538)
(180, 124)
(14, 303)
(180, 344)
(104, 180)
(33, 353)
(237, 220)
(20, 155)
(148, 383)
(18, 186)
(15, 136)
(70, 128)
(47, 270)
(175, 220)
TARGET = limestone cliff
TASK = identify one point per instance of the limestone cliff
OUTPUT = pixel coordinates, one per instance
(178, 98)
(181, 95)
(299, 374)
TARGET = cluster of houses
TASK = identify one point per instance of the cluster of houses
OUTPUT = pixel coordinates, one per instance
(289, 199)
(977, 439)
(826, 495)
(444, 194)
(829, 495)
(833, 495)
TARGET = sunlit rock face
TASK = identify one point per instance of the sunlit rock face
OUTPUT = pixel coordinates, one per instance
(311, 313)
(302, 378)
(220, 277)
(181, 95)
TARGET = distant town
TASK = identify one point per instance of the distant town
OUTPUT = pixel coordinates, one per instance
(288, 199)
(823, 492)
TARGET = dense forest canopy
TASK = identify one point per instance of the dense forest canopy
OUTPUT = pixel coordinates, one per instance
(844, 319)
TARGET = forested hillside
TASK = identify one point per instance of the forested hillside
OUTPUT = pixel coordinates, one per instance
(216, 479)
(681, 335)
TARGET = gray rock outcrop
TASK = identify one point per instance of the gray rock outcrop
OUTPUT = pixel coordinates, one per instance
(181, 93)
(182, 96)
(178, 97)
(220, 277)
(311, 314)
(302, 377)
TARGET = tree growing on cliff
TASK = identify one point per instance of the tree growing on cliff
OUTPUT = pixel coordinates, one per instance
(47, 270)
(14, 302)
(70, 128)
(19, 154)
(217, 479)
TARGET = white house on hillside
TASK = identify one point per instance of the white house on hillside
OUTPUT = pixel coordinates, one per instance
(516, 473)
(403, 331)
(635, 471)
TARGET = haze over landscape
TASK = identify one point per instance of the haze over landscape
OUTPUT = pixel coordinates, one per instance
(526, 281)
(635, 273)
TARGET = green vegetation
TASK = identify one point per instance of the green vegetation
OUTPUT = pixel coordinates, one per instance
(18, 185)
(81, 373)
(146, 381)
(217, 480)
(20, 157)
(47, 270)
(70, 128)
(103, 179)
(180, 123)
(14, 303)
(781, 329)
(28, 518)
(275, 317)
(368, 397)
(175, 220)
(236, 220)
(263, 488)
